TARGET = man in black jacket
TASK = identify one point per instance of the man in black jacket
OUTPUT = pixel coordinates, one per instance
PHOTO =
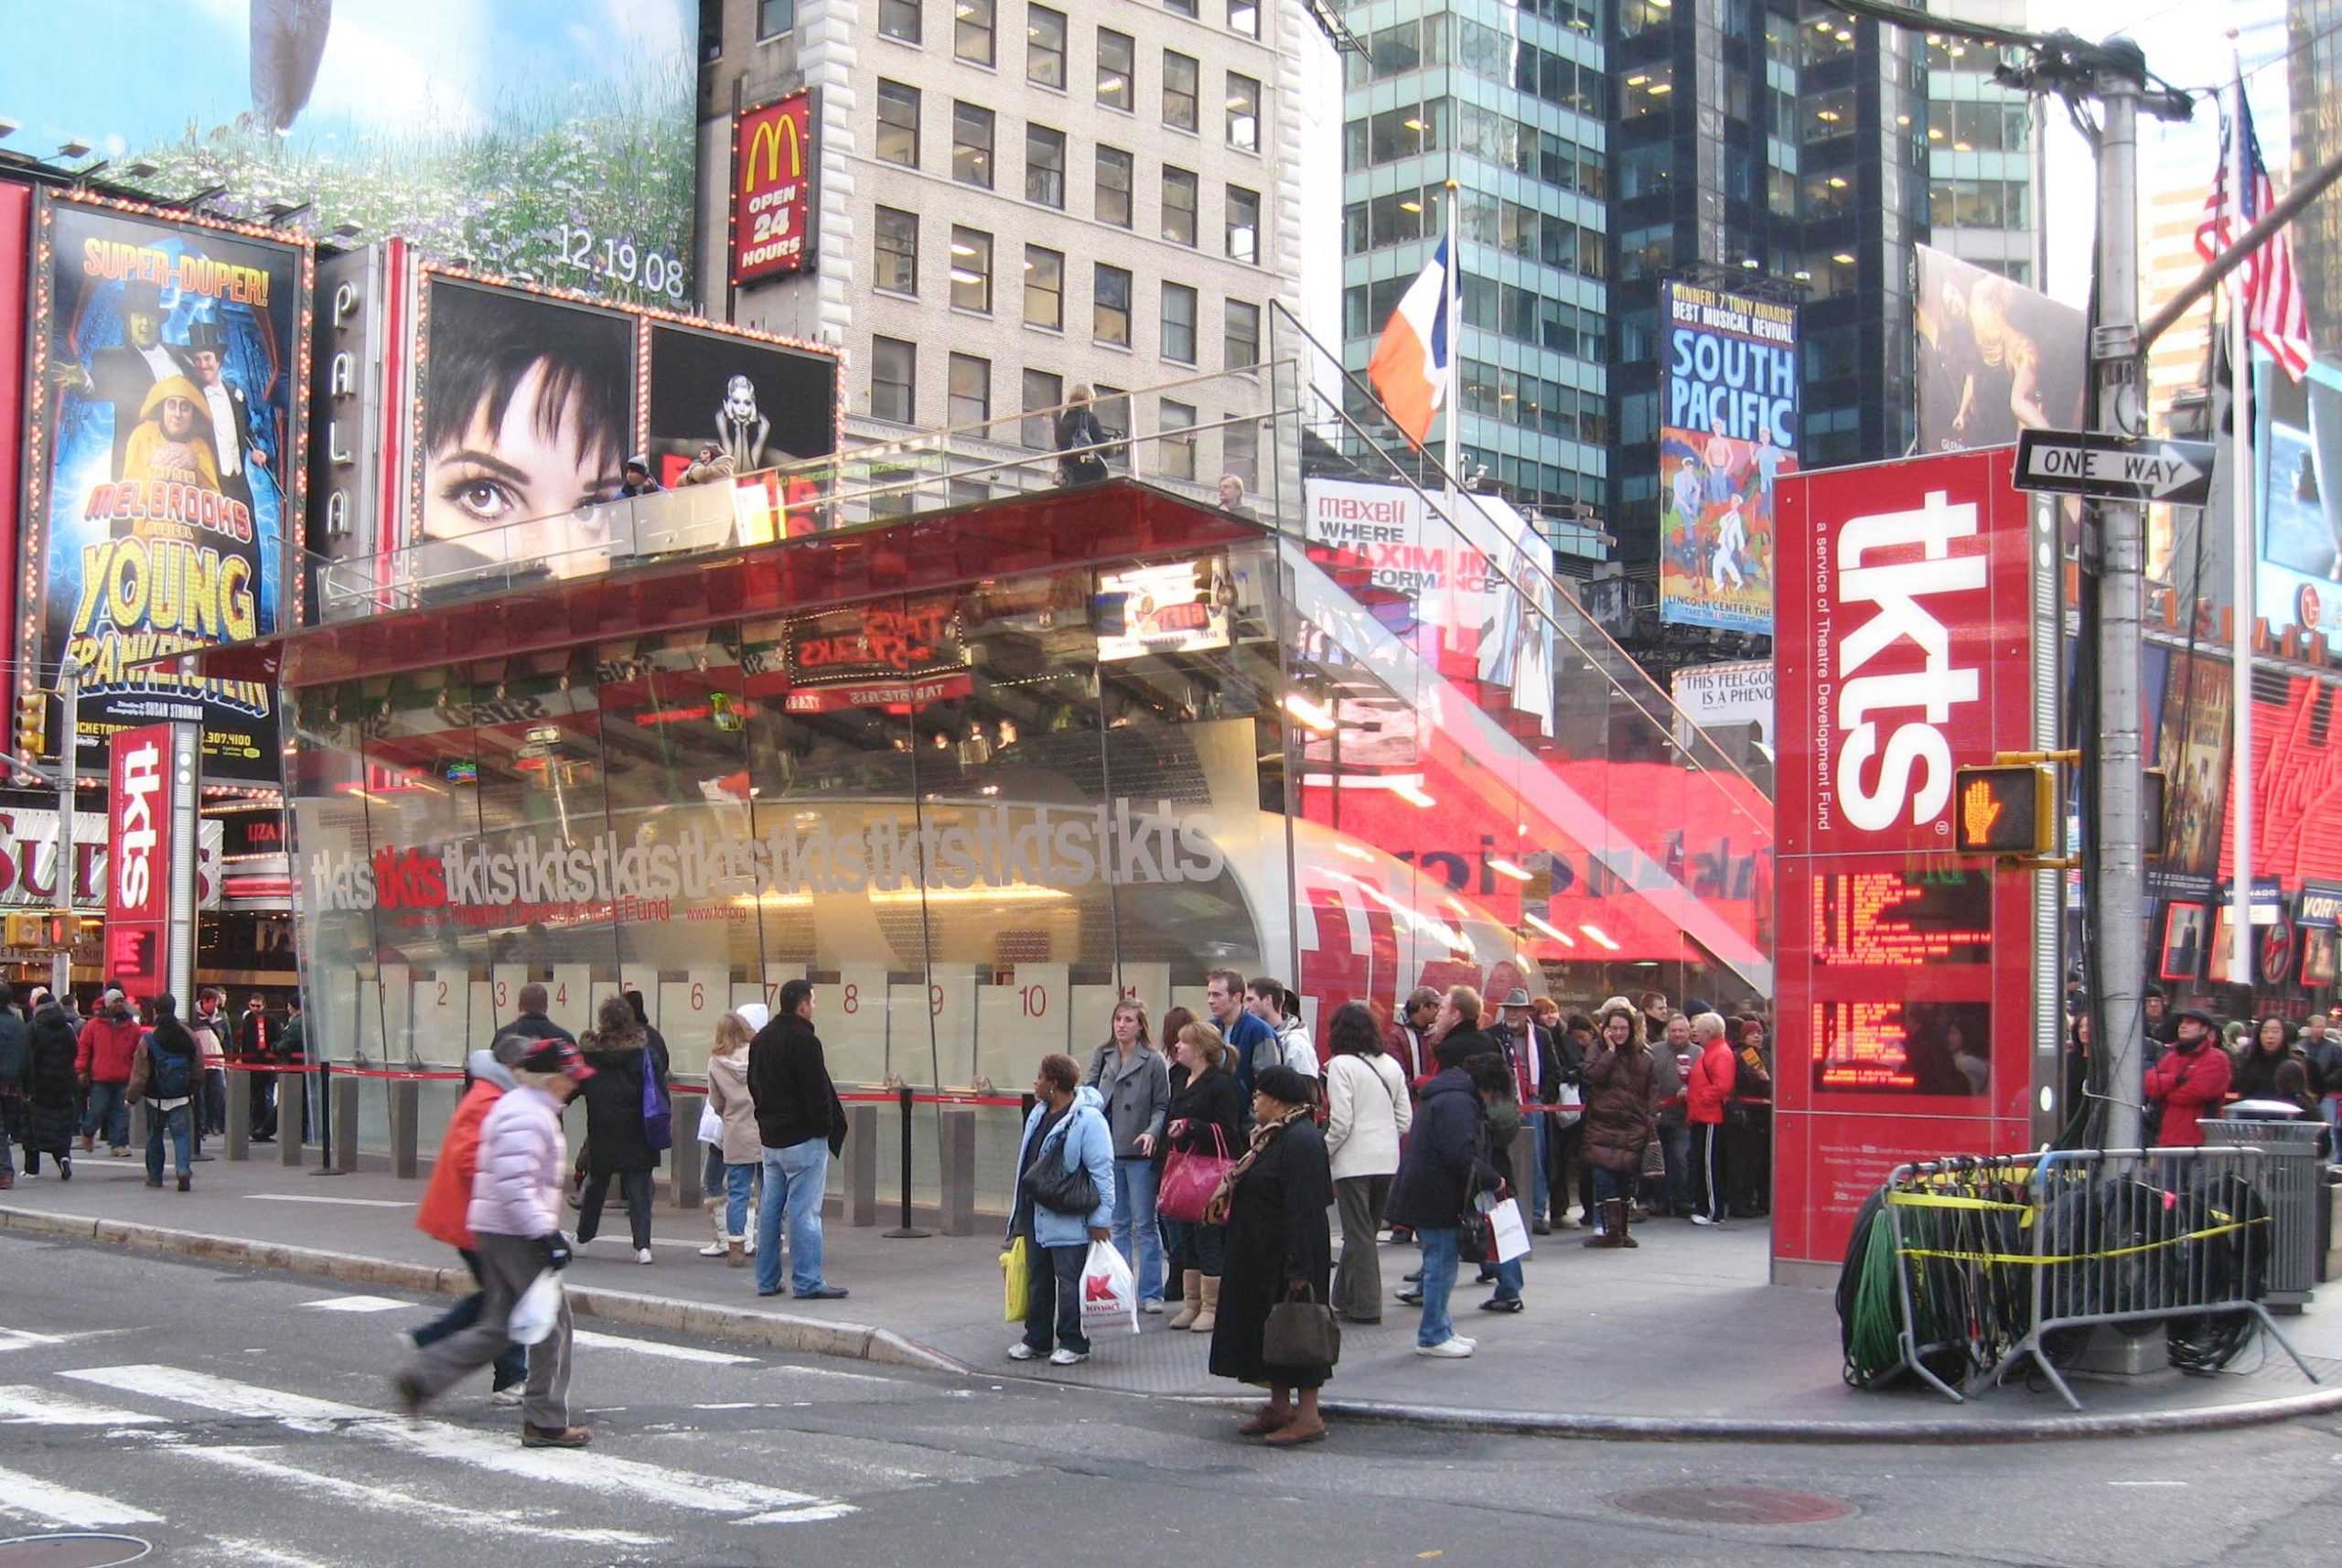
(532, 1024)
(1446, 1163)
(800, 1125)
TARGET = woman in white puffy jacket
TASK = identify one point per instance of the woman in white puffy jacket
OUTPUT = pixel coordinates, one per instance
(1367, 1112)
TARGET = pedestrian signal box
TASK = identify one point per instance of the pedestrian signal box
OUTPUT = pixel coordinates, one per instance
(2008, 809)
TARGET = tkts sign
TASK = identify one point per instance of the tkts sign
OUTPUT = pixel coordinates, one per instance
(772, 189)
(142, 794)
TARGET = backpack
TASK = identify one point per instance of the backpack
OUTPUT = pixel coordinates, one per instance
(171, 1076)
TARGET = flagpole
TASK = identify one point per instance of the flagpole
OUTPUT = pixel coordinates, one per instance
(1453, 313)
(2243, 405)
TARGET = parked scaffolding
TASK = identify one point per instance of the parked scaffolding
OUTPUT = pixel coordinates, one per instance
(1962, 1270)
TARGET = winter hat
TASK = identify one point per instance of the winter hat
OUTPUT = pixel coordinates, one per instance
(756, 1015)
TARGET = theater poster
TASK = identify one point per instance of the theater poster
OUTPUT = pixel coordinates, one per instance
(164, 460)
(1728, 378)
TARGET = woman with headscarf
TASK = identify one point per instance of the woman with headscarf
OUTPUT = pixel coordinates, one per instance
(52, 1092)
(1621, 1116)
(618, 1141)
(1274, 1202)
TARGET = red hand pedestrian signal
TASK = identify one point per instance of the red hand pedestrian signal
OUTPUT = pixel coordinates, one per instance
(1978, 811)
(2008, 809)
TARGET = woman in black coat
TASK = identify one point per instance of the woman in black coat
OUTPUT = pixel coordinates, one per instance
(1279, 1249)
(51, 1093)
(1081, 441)
(618, 1143)
(1205, 1118)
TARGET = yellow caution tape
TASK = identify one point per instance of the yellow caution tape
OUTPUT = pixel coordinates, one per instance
(2026, 1258)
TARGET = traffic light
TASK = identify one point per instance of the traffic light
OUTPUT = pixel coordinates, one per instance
(25, 931)
(32, 725)
(2008, 809)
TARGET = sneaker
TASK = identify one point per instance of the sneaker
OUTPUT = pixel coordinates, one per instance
(553, 1436)
(642, 1254)
(1152, 1307)
(186, 1184)
(1446, 1350)
(714, 1249)
(1701, 1220)
(1062, 1357)
(826, 1293)
(509, 1398)
(65, 1167)
(121, 1153)
(1504, 1303)
(1020, 1351)
(1411, 1297)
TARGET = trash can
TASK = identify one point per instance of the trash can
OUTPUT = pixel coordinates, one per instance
(2291, 1182)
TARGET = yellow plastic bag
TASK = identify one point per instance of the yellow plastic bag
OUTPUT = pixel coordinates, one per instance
(1012, 1265)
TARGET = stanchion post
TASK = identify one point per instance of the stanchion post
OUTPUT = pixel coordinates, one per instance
(240, 1117)
(292, 1118)
(341, 1111)
(861, 1164)
(325, 1117)
(406, 1128)
(905, 1231)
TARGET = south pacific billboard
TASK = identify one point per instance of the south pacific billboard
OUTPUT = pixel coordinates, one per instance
(1728, 431)
(165, 460)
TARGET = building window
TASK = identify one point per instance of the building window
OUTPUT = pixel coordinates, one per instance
(1044, 288)
(1646, 89)
(1245, 16)
(1179, 198)
(775, 17)
(971, 38)
(1044, 165)
(1182, 80)
(1175, 452)
(1240, 450)
(1045, 46)
(1117, 70)
(972, 144)
(1179, 323)
(901, 19)
(1240, 335)
(894, 377)
(971, 391)
(1188, 9)
(898, 124)
(1043, 393)
(971, 269)
(1110, 319)
(1243, 113)
(1243, 224)
(1112, 408)
(1114, 178)
(895, 251)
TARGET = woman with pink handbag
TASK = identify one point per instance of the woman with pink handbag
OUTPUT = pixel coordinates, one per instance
(1206, 1127)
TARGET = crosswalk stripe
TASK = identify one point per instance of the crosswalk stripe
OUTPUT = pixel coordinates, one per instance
(654, 1347)
(312, 1198)
(254, 1462)
(356, 1304)
(23, 1494)
(22, 1405)
(439, 1440)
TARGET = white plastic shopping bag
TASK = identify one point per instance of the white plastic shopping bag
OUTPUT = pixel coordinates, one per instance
(1510, 1235)
(711, 1125)
(1109, 1294)
(537, 1311)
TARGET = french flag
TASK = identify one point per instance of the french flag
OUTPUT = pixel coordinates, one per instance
(1412, 362)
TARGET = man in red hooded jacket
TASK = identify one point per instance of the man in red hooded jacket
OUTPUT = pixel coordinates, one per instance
(108, 1044)
(2191, 1079)
(447, 1198)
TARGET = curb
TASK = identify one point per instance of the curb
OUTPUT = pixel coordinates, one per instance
(859, 1342)
(778, 1331)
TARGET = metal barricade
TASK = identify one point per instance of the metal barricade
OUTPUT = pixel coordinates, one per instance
(2001, 1261)
(2292, 1174)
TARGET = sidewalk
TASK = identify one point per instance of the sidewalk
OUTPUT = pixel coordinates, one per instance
(1681, 1338)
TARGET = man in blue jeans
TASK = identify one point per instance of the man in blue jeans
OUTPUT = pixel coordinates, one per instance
(1444, 1165)
(799, 1123)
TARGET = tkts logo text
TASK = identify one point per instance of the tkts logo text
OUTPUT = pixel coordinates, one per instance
(1896, 686)
(142, 783)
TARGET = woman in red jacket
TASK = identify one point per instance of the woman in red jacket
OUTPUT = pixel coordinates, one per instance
(449, 1195)
(2190, 1081)
(1713, 1068)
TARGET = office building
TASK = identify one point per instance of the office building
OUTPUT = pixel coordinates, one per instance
(1984, 158)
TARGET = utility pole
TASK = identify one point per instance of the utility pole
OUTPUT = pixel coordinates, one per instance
(2118, 932)
(61, 962)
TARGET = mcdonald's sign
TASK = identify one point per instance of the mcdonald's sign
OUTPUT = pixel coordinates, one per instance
(772, 189)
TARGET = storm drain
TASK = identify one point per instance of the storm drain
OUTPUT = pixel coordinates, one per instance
(1728, 1505)
(71, 1550)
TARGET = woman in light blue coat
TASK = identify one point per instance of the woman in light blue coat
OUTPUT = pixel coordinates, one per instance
(1065, 1136)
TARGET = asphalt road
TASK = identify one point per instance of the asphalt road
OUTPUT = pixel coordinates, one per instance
(245, 1418)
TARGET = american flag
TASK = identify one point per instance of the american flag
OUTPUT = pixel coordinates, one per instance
(2277, 317)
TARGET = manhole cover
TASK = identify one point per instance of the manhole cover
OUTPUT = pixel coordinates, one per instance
(1733, 1505)
(71, 1550)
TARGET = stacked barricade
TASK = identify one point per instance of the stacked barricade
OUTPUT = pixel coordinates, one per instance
(1984, 1264)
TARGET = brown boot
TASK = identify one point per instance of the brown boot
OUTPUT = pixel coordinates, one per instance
(1211, 1313)
(89, 1143)
(1622, 1229)
(736, 1256)
(1599, 1218)
(1192, 1287)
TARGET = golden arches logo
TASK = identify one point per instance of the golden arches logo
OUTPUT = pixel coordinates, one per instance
(767, 140)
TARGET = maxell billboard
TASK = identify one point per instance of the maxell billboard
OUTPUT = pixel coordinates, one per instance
(1905, 974)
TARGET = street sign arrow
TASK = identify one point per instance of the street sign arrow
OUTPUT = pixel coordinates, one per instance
(2113, 467)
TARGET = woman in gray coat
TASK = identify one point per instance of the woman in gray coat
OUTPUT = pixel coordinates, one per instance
(1135, 1081)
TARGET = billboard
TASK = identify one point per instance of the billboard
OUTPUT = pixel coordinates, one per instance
(166, 470)
(1995, 357)
(1728, 430)
(760, 404)
(1905, 975)
(1181, 606)
(2297, 490)
(2193, 752)
(772, 189)
(1714, 696)
(477, 131)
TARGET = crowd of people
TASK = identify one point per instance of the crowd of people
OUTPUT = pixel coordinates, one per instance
(2196, 1065)
(67, 1076)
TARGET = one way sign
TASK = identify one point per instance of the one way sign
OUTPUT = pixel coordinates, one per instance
(2086, 462)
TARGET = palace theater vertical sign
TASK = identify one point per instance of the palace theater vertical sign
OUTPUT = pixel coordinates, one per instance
(1905, 999)
(772, 189)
